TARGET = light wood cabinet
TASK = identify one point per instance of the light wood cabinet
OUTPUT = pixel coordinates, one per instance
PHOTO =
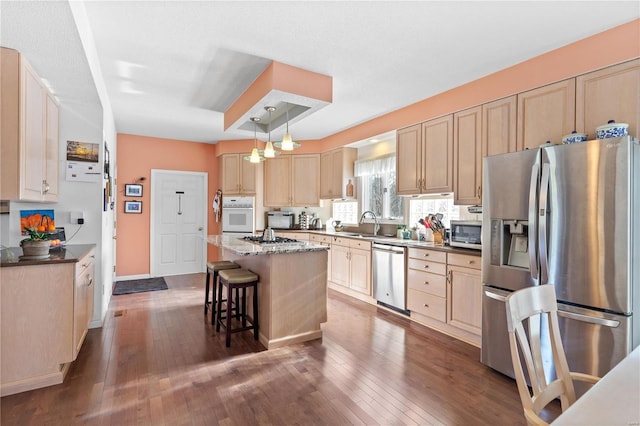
(546, 114)
(424, 157)
(237, 176)
(323, 240)
(292, 180)
(426, 275)
(45, 314)
(336, 168)
(409, 160)
(351, 265)
(499, 126)
(467, 156)
(464, 293)
(611, 93)
(83, 300)
(29, 142)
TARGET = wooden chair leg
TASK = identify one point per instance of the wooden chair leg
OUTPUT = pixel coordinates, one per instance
(255, 312)
(228, 330)
(219, 309)
(206, 294)
(244, 306)
(237, 304)
(214, 298)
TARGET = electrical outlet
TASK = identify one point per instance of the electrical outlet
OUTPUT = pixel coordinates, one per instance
(76, 218)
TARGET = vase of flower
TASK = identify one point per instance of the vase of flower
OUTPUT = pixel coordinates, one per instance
(37, 244)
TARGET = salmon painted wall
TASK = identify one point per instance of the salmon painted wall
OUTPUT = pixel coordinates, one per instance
(611, 47)
(136, 156)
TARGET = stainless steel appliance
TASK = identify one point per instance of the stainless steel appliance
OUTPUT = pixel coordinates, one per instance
(389, 284)
(466, 233)
(238, 215)
(565, 215)
(280, 220)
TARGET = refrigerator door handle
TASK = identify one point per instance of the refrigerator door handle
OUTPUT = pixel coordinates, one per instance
(533, 220)
(495, 296)
(542, 224)
(591, 320)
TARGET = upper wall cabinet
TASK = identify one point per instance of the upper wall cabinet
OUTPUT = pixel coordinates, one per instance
(292, 180)
(611, 93)
(409, 160)
(546, 114)
(237, 176)
(499, 126)
(29, 144)
(437, 155)
(424, 157)
(336, 168)
(467, 156)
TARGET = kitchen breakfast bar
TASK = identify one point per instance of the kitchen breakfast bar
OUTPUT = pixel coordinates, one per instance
(292, 292)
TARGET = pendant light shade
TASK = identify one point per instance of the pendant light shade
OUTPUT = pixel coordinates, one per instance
(269, 152)
(287, 143)
(255, 156)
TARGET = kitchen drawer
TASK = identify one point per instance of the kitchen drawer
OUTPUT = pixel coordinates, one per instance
(465, 260)
(432, 255)
(300, 236)
(427, 304)
(317, 238)
(427, 266)
(340, 241)
(359, 244)
(427, 282)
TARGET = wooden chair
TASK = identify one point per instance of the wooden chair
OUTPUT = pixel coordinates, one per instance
(532, 304)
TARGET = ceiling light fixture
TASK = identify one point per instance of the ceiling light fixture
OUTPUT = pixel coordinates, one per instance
(287, 143)
(255, 156)
(269, 152)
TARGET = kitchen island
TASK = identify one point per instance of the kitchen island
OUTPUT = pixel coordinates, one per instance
(292, 292)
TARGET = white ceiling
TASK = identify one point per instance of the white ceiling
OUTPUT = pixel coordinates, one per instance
(172, 68)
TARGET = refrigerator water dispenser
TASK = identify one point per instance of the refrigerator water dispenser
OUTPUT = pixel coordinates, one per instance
(510, 243)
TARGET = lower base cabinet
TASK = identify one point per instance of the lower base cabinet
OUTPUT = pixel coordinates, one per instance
(464, 293)
(351, 267)
(46, 310)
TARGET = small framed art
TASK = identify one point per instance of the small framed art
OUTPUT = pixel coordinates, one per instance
(133, 206)
(133, 190)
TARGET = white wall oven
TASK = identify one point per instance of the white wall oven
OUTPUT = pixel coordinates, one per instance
(238, 215)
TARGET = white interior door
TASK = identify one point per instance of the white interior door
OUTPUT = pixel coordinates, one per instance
(178, 222)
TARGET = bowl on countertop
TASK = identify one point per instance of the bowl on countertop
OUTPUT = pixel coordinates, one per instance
(574, 137)
(612, 130)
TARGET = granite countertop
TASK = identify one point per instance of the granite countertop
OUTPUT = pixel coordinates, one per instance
(247, 248)
(12, 256)
(398, 242)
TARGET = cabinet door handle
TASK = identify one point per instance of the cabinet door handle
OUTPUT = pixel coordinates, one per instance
(45, 186)
(426, 283)
(90, 282)
(426, 255)
(426, 306)
(471, 262)
(426, 266)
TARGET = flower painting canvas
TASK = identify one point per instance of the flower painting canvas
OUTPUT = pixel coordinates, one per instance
(39, 220)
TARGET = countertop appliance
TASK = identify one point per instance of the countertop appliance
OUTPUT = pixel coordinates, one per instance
(466, 233)
(238, 215)
(389, 283)
(280, 220)
(565, 215)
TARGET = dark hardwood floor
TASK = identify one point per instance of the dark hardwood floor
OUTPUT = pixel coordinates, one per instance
(157, 360)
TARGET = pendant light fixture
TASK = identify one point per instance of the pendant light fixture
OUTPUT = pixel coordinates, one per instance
(287, 143)
(255, 156)
(269, 152)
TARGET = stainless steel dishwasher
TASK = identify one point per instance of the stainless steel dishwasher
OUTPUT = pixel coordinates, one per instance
(389, 284)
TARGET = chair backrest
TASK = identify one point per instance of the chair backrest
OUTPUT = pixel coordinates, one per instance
(536, 306)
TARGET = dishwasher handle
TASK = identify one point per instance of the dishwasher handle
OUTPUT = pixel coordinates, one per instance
(388, 248)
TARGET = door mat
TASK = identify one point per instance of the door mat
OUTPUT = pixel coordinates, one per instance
(139, 286)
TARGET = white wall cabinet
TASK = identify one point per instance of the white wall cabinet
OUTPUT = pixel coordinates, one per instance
(29, 143)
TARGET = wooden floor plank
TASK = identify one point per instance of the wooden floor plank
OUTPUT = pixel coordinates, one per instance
(160, 362)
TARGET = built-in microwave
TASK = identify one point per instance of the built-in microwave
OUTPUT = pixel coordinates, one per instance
(466, 233)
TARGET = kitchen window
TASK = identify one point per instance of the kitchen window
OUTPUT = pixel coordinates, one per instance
(377, 188)
(421, 207)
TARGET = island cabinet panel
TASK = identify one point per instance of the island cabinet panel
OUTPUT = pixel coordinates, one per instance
(464, 293)
(336, 168)
(437, 155)
(292, 180)
(611, 93)
(409, 160)
(546, 114)
(499, 120)
(237, 176)
(29, 142)
(323, 240)
(467, 156)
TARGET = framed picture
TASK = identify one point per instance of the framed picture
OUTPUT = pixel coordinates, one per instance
(133, 206)
(133, 190)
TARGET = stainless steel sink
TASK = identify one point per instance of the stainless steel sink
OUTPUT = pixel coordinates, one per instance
(355, 234)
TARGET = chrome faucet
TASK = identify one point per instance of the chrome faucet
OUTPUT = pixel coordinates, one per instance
(376, 226)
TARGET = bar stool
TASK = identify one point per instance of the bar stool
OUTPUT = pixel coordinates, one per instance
(213, 268)
(238, 279)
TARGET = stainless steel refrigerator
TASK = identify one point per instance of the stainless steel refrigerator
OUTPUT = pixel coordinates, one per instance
(567, 215)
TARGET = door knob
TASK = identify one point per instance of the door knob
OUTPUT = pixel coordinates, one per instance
(200, 228)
